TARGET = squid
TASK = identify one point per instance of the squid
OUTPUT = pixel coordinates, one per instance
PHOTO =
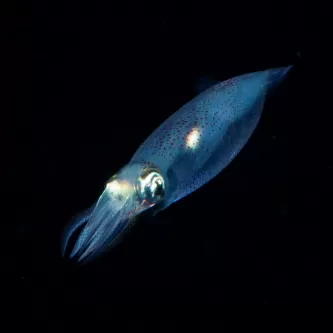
(186, 151)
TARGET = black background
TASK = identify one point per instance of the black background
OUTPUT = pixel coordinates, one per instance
(91, 82)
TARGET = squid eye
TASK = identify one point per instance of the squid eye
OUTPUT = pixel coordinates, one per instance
(151, 187)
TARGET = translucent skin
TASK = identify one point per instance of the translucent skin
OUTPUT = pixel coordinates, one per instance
(202, 138)
(190, 148)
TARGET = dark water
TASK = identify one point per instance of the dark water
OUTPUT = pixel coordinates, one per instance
(92, 84)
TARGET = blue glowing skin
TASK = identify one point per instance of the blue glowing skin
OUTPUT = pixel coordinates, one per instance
(186, 151)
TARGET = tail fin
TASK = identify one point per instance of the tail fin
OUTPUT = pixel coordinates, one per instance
(276, 76)
(204, 83)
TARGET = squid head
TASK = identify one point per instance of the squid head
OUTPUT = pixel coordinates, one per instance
(134, 189)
